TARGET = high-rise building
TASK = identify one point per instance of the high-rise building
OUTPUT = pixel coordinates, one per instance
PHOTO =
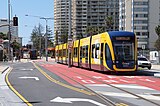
(85, 13)
(140, 16)
(61, 16)
(92, 13)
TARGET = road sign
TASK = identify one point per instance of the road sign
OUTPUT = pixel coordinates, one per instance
(143, 46)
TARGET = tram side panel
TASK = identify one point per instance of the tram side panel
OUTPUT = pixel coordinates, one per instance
(84, 52)
(64, 55)
(57, 54)
(60, 53)
(97, 53)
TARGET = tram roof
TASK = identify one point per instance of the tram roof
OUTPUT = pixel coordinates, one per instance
(120, 33)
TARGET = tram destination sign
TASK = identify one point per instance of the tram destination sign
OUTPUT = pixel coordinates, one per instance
(122, 38)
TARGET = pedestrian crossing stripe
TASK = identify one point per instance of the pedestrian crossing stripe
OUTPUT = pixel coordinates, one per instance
(122, 86)
(151, 97)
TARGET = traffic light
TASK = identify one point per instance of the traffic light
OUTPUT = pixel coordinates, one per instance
(15, 21)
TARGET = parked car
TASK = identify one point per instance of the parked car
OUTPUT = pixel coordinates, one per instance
(144, 62)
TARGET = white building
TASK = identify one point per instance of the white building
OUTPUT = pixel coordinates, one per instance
(141, 16)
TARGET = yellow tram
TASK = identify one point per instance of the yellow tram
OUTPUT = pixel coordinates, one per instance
(108, 51)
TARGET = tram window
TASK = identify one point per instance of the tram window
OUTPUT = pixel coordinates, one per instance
(101, 50)
(108, 55)
(64, 52)
(97, 52)
(57, 53)
(81, 51)
(75, 52)
(67, 53)
(86, 50)
(60, 53)
(93, 50)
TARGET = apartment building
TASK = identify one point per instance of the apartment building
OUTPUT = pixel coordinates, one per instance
(85, 13)
(141, 17)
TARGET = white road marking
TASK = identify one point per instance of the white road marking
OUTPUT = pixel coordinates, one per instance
(70, 100)
(132, 86)
(36, 78)
(88, 81)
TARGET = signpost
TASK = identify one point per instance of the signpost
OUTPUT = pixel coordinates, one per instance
(143, 48)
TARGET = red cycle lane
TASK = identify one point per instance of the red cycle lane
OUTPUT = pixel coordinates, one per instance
(79, 75)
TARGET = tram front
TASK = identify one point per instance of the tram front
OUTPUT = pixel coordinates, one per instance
(125, 52)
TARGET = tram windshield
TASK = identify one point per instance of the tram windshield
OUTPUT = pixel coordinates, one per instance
(124, 51)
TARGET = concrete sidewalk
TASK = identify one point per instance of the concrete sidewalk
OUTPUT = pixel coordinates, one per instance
(3, 68)
(155, 67)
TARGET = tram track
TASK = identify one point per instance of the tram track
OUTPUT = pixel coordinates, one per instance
(98, 94)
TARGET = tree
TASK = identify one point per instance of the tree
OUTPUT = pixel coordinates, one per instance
(64, 35)
(109, 22)
(38, 40)
(3, 36)
(15, 45)
(16, 48)
(157, 43)
(91, 30)
(36, 37)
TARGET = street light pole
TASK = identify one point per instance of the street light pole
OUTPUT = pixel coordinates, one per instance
(69, 36)
(46, 41)
(9, 31)
(46, 36)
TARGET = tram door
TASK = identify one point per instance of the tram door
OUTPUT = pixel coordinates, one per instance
(86, 57)
(101, 58)
(80, 61)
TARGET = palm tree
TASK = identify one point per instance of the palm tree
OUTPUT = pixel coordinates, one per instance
(109, 22)
(157, 43)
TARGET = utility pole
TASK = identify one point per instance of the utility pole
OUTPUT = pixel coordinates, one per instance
(69, 36)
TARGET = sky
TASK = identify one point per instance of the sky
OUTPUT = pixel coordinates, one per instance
(42, 8)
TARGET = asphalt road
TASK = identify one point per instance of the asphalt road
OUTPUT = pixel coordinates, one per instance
(41, 85)
(37, 90)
